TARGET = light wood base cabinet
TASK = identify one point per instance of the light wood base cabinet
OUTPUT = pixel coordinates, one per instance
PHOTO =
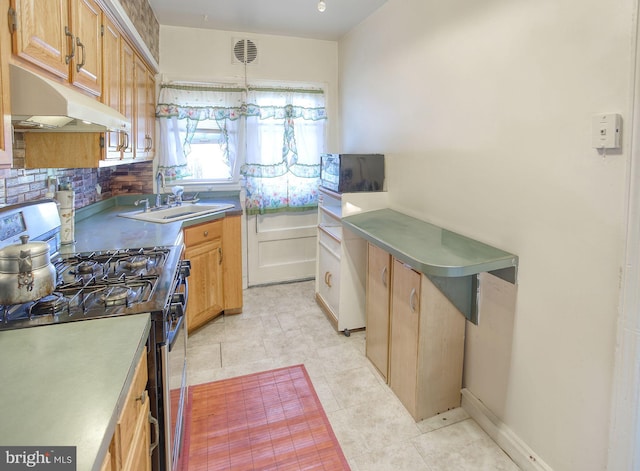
(215, 284)
(204, 249)
(130, 445)
(377, 308)
(6, 135)
(415, 336)
(426, 348)
(232, 264)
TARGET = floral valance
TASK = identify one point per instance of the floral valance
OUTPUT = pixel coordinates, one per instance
(202, 103)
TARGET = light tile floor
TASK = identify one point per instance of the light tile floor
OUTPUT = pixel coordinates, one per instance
(282, 325)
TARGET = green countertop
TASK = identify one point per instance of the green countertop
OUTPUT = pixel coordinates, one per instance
(98, 226)
(429, 249)
(451, 261)
(64, 384)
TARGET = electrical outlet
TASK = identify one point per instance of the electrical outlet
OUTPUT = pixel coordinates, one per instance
(606, 129)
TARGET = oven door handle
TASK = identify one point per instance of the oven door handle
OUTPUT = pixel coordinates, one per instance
(172, 335)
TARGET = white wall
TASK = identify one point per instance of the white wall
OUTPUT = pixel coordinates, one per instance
(205, 55)
(484, 112)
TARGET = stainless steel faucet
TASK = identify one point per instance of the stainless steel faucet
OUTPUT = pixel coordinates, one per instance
(146, 204)
(159, 185)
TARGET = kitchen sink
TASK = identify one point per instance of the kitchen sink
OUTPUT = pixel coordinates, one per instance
(176, 213)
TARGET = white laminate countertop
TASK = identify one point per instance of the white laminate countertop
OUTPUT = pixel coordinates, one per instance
(64, 384)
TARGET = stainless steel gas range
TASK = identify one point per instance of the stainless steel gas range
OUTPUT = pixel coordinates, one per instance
(114, 283)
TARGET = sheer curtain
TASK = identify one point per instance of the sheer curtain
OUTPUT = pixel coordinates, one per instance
(279, 134)
(180, 108)
(285, 137)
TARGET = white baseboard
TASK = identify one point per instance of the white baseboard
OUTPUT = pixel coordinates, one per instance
(512, 445)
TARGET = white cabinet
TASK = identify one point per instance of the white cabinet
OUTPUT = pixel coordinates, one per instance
(342, 258)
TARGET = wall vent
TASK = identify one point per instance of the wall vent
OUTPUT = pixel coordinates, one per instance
(244, 51)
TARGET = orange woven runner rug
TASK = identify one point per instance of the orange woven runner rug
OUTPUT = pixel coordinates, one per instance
(264, 421)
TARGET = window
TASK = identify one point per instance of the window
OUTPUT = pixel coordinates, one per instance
(271, 137)
(206, 159)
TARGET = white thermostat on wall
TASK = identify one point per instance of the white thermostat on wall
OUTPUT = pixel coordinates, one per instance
(606, 129)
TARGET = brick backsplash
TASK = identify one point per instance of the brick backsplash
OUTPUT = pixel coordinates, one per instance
(18, 185)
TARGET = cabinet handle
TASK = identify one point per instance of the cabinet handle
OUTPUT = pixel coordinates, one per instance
(220, 253)
(68, 57)
(13, 21)
(327, 279)
(156, 428)
(412, 299)
(384, 277)
(142, 397)
(206, 233)
(82, 62)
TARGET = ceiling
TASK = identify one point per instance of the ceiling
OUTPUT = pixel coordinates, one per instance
(299, 18)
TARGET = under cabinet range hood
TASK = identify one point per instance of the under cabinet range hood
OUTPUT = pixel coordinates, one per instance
(39, 104)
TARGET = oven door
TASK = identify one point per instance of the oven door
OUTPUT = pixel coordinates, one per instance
(174, 359)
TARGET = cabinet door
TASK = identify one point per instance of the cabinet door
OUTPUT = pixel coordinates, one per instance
(111, 74)
(42, 35)
(139, 458)
(150, 113)
(377, 308)
(232, 264)
(405, 324)
(329, 274)
(141, 109)
(206, 289)
(86, 68)
(127, 85)
(6, 145)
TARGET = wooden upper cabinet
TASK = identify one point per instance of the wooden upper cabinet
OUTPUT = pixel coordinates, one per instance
(6, 147)
(62, 37)
(41, 34)
(127, 85)
(111, 90)
(150, 111)
(86, 68)
(144, 104)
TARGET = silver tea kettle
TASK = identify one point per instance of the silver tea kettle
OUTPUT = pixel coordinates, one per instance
(26, 272)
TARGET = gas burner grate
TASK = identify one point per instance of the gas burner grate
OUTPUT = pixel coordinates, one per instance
(52, 305)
